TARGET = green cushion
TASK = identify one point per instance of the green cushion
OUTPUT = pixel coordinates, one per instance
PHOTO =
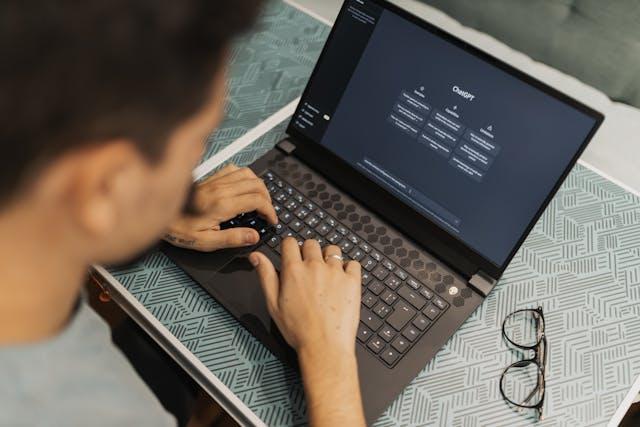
(594, 40)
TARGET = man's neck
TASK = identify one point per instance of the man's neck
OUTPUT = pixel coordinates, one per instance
(39, 278)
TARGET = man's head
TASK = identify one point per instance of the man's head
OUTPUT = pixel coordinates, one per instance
(105, 107)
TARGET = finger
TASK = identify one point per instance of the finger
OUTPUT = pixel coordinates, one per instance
(311, 250)
(353, 268)
(225, 170)
(231, 207)
(253, 202)
(212, 240)
(238, 174)
(333, 256)
(290, 251)
(244, 186)
(268, 280)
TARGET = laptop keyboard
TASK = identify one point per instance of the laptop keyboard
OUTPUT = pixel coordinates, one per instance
(396, 310)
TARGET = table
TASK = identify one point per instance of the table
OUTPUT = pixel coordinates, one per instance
(581, 263)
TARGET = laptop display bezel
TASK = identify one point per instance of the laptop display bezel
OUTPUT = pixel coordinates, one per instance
(426, 232)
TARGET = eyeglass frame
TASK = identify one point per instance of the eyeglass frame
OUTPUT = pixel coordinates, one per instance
(539, 359)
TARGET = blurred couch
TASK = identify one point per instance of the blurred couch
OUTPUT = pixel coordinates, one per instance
(596, 41)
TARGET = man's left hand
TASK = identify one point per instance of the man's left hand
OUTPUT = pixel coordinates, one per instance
(226, 194)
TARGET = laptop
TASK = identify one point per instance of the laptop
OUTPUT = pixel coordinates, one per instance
(426, 160)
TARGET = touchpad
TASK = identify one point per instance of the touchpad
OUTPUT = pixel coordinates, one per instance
(237, 287)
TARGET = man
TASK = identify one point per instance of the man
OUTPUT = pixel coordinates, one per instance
(105, 108)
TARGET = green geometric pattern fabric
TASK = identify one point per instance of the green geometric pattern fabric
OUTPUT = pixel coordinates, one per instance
(269, 69)
(581, 263)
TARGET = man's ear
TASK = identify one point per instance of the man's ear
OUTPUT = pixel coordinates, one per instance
(106, 183)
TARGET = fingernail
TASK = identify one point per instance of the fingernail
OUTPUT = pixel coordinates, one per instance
(254, 260)
(250, 237)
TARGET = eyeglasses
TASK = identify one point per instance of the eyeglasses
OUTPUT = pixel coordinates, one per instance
(523, 383)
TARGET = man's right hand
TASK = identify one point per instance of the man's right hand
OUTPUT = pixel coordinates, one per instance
(315, 302)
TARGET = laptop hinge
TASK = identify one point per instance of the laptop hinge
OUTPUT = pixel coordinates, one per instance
(286, 146)
(482, 283)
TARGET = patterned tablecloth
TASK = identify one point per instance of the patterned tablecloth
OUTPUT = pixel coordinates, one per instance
(581, 263)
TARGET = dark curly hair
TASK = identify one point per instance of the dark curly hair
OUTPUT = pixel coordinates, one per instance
(79, 72)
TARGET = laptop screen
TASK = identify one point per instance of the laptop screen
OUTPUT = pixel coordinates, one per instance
(460, 140)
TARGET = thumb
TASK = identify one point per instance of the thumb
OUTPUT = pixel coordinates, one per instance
(268, 279)
(229, 238)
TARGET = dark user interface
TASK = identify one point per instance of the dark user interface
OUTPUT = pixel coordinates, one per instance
(461, 141)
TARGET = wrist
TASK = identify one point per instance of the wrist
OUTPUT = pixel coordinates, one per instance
(331, 385)
(326, 354)
(327, 363)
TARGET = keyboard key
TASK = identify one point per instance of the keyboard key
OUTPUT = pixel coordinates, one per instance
(427, 293)
(376, 344)
(414, 299)
(413, 283)
(392, 282)
(279, 227)
(345, 246)
(401, 274)
(388, 265)
(402, 314)
(312, 221)
(388, 297)
(285, 217)
(301, 212)
(332, 222)
(334, 238)
(411, 333)
(291, 205)
(321, 214)
(376, 255)
(356, 254)
(364, 333)
(307, 233)
(342, 230)
(368, 263)
(366, 277)
(421, 322)
(389, 355)
(353, 239)
(273, 241)
(387, 333)
(382, 310)
(431, 311)
(296, 225)
(380, 272)
(309, 206)
(401, 344)
(369, 299)
(376, 287)
(323, 229)
(280, 197)
(372, 321)
(365, 247)
(440, 303)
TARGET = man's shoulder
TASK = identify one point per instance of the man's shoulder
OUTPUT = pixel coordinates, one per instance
(76, 378)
